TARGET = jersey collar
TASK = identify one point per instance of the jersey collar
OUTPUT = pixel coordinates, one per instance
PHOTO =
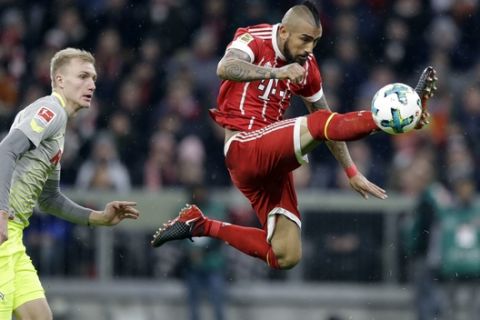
(278, 53)
(59, 97)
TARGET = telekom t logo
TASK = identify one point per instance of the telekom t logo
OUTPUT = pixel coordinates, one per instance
(268, 88)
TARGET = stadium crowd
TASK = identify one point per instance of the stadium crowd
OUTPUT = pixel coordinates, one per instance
(156, 61)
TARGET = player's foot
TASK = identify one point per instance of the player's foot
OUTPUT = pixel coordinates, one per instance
(425, 89)
(188, 224)
(426, 85)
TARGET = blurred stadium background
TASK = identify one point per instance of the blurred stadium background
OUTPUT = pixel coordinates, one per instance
(148, 138)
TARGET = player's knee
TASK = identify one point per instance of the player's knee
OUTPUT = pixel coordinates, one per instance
(289, 261)
(287, 244)
(289, 258)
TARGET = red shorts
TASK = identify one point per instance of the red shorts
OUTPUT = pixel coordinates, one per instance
(260, 164)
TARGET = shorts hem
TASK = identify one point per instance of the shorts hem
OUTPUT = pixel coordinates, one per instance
(28, 297)
(297, 145)
(271, 220)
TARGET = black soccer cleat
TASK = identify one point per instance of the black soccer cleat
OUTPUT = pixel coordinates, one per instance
(188, 224)
(426, 85)
(425, 89)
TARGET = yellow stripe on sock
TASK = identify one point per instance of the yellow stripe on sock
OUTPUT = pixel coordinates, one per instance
(326, 125)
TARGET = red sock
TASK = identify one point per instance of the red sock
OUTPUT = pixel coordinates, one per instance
(325, 125)
(251, 241)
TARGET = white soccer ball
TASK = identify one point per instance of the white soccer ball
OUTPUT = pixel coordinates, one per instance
(396, 108)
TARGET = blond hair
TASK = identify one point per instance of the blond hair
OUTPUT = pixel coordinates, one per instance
(63, 57)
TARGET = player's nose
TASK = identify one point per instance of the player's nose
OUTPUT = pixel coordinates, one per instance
(309, 48)
(92, 86)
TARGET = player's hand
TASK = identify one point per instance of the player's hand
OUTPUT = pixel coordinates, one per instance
(294, 72)
(4, 216)
(360, 184)
(114, 213)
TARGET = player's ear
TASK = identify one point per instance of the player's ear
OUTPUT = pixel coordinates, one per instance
(283, 32)
(59, 80)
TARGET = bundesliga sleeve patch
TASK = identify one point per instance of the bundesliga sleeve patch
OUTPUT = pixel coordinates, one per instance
(41, 119)
(45, 115)
(246, 38)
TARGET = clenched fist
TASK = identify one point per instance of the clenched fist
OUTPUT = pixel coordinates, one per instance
(294, 72)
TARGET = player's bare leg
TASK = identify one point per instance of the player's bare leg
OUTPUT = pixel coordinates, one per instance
(34, 310)
(286, 242)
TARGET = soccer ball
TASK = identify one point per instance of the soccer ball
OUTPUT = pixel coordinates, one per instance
(396, 108)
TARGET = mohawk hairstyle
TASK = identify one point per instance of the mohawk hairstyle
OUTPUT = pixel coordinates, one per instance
(313, 10)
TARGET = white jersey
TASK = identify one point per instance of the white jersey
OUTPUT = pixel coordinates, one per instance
(44, 123)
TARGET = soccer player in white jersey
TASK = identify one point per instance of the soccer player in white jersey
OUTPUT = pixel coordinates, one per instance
(30, 173)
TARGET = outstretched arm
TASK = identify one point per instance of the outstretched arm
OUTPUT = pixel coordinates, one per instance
(56, 203)
(340, 151)
(236, 66)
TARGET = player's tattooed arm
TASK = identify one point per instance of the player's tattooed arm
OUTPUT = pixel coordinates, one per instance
(236, 66)
(339, 149)
(320, 104)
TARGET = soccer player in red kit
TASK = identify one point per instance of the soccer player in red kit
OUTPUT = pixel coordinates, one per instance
(262, 68)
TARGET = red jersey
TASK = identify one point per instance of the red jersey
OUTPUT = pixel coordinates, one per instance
(248, 106)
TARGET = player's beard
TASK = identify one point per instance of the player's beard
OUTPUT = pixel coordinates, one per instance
(289, 56)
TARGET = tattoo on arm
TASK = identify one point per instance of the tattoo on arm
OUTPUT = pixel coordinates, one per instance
(340, 151)
(236, 55)
(236, 66)
(320, 104)
(235, 72)
(266, 73)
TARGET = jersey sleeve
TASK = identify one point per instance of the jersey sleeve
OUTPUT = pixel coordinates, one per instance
(40, 121)
(55, 175)
(312, 89)
(245, 42)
